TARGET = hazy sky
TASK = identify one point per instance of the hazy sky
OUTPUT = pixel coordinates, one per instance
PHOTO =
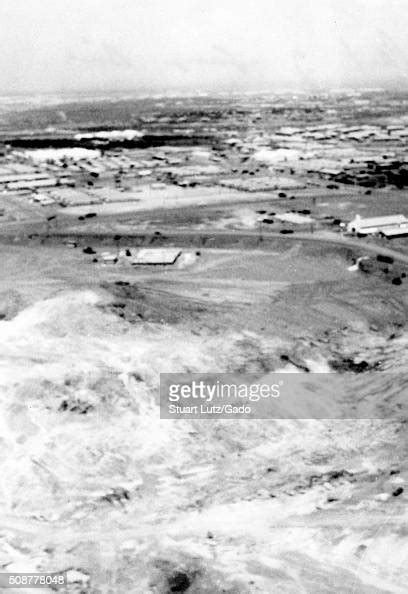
(68, 45)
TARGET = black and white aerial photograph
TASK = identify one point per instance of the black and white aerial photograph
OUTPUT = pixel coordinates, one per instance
(203, 296)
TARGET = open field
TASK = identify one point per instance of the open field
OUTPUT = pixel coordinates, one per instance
(149, 199)
(294, 273)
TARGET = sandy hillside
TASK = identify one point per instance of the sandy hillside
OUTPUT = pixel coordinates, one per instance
(93, 480)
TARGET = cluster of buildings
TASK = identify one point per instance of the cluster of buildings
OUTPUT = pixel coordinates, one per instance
(173, 164)
(329, 132)
(258, 143)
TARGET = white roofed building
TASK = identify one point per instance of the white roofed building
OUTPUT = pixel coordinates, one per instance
(56, 154)
(375, 225)
(156, 256)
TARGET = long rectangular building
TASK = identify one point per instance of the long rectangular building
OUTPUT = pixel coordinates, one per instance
(34, 184)
(8, 178)
(156, 256)
(373, 225)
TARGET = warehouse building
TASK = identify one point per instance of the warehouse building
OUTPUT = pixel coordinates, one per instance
(8, 178)
(394, 232)
(385, 225)
(34, 184)
(156, 256)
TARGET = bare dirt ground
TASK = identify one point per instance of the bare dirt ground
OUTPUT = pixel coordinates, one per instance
(94, 480)
(167, 198)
